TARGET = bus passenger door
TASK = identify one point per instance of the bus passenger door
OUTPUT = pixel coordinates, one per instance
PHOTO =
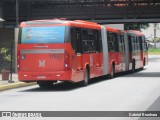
(88, 50)
(77, 57)
(95, 48)
(141, 50)
(122, 52)
(98, 55)
(117, 55)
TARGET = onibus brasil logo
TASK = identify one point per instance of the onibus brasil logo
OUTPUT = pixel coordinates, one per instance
(21, 114)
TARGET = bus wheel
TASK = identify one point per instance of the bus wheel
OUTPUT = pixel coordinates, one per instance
(45, 84)
(133, 67)
(112, 72)
(144, 63)
(86, 78)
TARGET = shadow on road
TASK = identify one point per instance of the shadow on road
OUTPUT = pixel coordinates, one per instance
(66, 86)
(144, 74)
(141, 74)
(61, 87)
(154, 107)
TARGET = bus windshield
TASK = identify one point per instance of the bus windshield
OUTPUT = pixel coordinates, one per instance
(42, 35)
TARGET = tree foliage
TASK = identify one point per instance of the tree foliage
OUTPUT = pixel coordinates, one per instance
(4, 52)
(136, 26)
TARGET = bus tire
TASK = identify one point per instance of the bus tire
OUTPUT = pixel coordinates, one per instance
(45, 84)
(133, 66)
(144, 62)
(86, 77)
(112, 74)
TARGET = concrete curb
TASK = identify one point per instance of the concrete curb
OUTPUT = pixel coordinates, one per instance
(15, 85)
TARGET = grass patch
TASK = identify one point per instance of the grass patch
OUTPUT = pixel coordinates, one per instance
(153, 51)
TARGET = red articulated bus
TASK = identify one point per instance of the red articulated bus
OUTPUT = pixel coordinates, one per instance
(75, 51)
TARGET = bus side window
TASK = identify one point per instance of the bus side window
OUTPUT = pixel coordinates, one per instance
(73, 39)
(141, 42)
(97, 41)
(130, 43)
(116, 42)
(91, 40)
(85, 48)
(122, 42)
(145, 48)
(100, 41)
(133, 43)
(137, 43)
(78, 40)
(88, 40)
(110, 42)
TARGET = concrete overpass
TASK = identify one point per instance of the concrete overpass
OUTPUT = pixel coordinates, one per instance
(101, 11)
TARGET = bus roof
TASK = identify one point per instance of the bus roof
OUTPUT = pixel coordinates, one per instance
(112, 29)
(59, 22)
(136, 32)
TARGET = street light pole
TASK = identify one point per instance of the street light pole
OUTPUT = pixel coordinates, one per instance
(155, 30)
(17, 13)
(11, 70)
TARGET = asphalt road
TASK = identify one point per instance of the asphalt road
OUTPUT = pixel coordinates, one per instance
(127, 92)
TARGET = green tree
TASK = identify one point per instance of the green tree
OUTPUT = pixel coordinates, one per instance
(4, 52)
(136, 26)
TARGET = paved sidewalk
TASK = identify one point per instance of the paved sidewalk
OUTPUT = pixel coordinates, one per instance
(6, 84)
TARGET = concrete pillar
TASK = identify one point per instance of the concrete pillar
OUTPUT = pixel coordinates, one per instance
(16, 32)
